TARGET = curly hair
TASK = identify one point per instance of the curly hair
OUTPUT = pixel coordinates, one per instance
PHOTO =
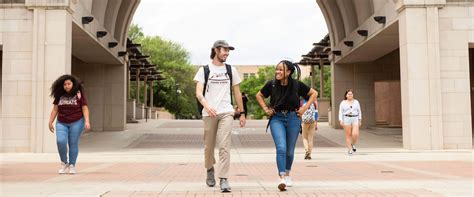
(57, 89)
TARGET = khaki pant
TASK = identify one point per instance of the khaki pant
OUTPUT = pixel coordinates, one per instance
(218, 129)
(308, 133)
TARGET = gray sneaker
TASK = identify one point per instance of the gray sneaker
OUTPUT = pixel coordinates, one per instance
(210, 180)
(225, 187)
(354, 147)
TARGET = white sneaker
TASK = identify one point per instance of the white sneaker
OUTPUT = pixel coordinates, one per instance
(64, 168)
(72, 169)
(282, 185)
(288, 181)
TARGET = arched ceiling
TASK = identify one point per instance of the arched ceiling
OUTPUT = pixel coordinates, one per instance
(343, 16)
(114, 15)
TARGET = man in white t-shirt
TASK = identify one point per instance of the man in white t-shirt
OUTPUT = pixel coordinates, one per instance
(218, 111)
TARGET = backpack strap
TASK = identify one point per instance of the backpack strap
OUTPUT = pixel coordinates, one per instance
(206, 78)
(229, 73)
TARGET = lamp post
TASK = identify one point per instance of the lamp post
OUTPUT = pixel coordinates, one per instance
(178, 91)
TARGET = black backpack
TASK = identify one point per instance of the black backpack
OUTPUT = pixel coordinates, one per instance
(206, 77)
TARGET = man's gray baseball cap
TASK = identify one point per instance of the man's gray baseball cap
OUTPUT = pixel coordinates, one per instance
(223, 44)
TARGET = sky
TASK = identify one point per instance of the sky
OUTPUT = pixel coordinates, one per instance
(263, 32)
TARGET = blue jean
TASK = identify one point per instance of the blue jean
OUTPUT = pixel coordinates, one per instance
(285, 129)
(68, 134)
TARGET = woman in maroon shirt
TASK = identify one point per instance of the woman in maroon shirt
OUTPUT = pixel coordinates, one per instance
(70, 107)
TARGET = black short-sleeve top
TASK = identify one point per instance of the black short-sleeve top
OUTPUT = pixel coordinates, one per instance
(293, 102)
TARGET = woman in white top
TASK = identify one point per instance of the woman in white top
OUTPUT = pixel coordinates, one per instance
(350, 117)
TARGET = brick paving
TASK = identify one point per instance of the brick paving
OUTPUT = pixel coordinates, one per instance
(154, 140)
(141, 166)
(242, 172)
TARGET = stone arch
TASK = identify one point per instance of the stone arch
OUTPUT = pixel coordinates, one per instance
(111, 14)
(343, 16)
(123, 20)
(348, 14)
(363, 9)
(98, 10)
(114, 15)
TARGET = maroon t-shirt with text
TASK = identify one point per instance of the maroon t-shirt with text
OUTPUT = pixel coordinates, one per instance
(70, 108)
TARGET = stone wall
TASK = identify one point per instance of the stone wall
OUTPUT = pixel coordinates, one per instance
(16, 35)
(361, 77)
(105, 89)
(456, 32)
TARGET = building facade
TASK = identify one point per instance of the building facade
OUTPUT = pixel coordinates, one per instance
(425, 46)
(246, 71)
(43, 39)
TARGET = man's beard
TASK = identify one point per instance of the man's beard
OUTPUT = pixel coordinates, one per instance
(221, 60)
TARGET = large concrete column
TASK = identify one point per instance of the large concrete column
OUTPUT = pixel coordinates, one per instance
(321, 79)
(16, 79)
(360, 78)
(105, 88)
(36, 49)
(115, 97)
(456, 25)
(420, 76)
(51, 59)
(342, 78)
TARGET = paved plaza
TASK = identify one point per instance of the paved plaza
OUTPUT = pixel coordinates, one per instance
(165, 158)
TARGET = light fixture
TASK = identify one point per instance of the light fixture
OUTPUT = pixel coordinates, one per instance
(380, 19)
(101, 34)
(113, 44)
(349, 43)
(133, 45)
(122, 53)
(363, 32)
(87, 19)
(336, 52)
(139, 57)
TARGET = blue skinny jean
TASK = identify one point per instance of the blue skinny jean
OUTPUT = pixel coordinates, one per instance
(67, 135)
(285, 128)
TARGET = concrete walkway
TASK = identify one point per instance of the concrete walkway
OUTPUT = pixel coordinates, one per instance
(165, 158)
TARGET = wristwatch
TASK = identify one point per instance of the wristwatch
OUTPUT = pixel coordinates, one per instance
(242, 112)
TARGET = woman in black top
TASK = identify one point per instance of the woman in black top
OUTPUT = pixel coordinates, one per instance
(285, 113)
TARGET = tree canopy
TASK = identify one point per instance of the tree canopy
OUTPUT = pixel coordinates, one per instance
(173, 60)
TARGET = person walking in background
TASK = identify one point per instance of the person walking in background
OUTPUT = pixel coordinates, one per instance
(309, 126)
(237, 110)
(245, 99)
(70, 108)
(285, 112)
(214, 85)
(350, 118)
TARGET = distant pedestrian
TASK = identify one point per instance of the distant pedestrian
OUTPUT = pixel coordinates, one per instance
(350, 118)
(309, 126)
(244, 101)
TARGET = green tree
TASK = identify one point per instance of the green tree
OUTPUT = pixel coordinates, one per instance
(173, 60)
(327, 81)
(252, 85)
(135, 33)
